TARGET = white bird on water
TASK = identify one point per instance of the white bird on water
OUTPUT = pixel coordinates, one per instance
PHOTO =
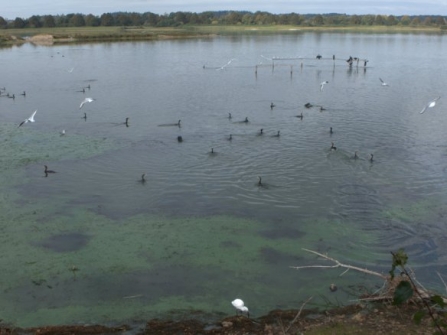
(431, 104)
(30, 119)
(383, 83)
(85, 101)
(322, 84)
(240, 307)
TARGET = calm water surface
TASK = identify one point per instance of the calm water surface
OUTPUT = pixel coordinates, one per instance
(92, 243)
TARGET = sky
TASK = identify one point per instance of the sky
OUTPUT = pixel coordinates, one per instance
(10, 9)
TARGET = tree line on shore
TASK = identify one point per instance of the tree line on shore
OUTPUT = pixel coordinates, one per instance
(176, 19)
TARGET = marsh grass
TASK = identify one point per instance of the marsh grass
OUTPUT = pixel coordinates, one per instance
(131, 33)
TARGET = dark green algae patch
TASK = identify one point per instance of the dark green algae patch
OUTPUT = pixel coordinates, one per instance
(84, 267)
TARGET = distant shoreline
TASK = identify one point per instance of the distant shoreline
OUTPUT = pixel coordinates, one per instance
(52, 36)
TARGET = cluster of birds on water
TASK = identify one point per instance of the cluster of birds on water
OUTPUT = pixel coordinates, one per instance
(238, 304)
(308, 105)
(31, 118)
(12, 96)
(350, 60)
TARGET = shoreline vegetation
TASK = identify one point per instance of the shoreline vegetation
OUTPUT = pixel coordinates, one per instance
(349, 320)
(74, 35)
(401, 306)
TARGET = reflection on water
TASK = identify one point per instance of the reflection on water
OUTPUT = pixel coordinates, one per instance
(201, 230)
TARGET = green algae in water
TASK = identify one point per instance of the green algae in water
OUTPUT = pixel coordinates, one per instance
(67, 264)
(426, 210)
(21, 147)
(168, 263)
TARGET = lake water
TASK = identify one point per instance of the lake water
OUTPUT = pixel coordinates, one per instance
(93, 244)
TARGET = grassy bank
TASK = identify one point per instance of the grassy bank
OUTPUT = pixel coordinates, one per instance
(100, 34)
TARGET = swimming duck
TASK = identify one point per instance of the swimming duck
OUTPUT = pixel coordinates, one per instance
(48, 171)
(333, 147)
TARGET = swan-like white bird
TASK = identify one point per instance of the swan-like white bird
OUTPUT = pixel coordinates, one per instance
(85, 101)
(383, 83)
(322, 84)
(240, 307)
(30, 119)
(431, 104)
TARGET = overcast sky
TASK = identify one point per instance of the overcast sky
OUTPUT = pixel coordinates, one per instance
(10, 9)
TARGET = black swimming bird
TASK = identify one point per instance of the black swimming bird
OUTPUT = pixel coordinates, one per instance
(277, 135)
(333, 147)
(300, 116)
(230, 138)
(260, 181)
(48, 171)
(371, 158)
(143, 179)
(179, 139)
(331, 131)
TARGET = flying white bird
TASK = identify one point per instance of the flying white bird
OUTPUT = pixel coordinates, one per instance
(223, 67)
(322, 84)
(240, 307)
(85, 101)
(431, 104)
(30, 119)
(62, 132)
(383, 83)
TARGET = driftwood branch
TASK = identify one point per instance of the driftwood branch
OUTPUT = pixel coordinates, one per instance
(338, 265)
(387, 291)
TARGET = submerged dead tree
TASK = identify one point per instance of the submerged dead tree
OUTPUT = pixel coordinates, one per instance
(396, 289)
(390, 281)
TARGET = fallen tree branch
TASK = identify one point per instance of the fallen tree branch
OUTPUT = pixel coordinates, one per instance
(338, 265)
